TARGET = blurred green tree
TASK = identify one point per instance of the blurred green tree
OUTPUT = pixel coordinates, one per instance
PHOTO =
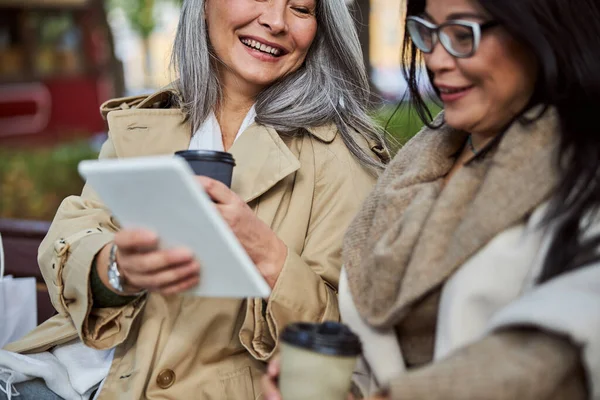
(141, 16)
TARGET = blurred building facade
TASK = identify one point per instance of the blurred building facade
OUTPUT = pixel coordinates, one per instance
(57, 66)
(386, 30)
(60, 59)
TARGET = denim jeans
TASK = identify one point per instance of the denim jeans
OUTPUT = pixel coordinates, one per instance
(31, 390)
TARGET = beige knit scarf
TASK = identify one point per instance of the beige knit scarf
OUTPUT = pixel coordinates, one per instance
(413, 233)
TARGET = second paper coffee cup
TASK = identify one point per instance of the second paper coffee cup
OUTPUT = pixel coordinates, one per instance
(217, 165)
(317, 361)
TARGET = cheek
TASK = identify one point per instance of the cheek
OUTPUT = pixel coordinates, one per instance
(219, 45)
(513, 87)
(505, 73)
(221, 21)
(525, 70)
(304, 35)
(214, 26)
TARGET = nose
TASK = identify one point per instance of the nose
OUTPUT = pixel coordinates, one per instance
(273, 16)
(439, 60)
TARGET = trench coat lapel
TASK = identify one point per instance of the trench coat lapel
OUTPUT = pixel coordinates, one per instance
(262, 159)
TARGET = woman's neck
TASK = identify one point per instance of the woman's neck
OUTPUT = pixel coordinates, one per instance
(230, 113)
(480, 140)
(476, 142)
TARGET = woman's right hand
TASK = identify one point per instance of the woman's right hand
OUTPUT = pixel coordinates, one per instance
(145, 267)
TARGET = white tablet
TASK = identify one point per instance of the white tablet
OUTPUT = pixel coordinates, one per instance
(160, 194)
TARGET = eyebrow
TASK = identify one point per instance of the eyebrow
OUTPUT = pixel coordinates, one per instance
(460, 15)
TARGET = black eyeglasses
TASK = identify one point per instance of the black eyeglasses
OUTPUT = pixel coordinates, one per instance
(460, 38)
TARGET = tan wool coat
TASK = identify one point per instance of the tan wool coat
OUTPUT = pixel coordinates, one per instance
(307, 188)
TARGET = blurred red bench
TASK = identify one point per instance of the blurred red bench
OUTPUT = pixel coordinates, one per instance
(21, 241)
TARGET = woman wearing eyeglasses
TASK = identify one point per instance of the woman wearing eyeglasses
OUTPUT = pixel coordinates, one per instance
(472, 271)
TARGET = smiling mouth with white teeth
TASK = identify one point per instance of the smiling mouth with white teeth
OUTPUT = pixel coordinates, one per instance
(253, 44)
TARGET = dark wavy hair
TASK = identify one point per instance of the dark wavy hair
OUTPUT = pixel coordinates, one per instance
(564, 35)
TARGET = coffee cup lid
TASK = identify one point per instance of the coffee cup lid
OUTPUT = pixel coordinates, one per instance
(329, 338)
(206, 155)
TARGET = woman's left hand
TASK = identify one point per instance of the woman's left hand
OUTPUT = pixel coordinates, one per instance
(269, 380)
(265, 249)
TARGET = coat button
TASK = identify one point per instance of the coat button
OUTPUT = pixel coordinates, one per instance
(165, 379)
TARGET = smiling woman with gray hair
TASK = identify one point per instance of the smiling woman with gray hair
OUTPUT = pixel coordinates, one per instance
(330, 87)
(281, 85)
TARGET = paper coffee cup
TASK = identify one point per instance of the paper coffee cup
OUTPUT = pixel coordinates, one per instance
(317, 361)
(217, 165)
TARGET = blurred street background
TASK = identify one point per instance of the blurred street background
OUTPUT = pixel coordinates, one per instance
(60, 59)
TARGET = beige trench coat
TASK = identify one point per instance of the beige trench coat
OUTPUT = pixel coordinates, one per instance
(307, 188)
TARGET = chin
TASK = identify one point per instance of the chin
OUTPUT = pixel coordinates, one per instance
(457, 120)
(259, 80)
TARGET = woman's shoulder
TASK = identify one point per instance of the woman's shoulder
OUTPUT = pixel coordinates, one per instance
(165, 98)
(329, 142)
(325, 133)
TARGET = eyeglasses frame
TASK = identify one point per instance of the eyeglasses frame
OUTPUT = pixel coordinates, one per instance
(476, 28)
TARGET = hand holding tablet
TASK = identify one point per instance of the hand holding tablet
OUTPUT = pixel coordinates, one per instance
(160, 194)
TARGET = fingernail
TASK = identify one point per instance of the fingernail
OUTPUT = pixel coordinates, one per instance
(150, 236)
(184, 253)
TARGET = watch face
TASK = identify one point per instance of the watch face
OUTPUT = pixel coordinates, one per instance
(114, 278)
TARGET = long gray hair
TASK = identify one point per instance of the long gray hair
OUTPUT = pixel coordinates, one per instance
(331, 86)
